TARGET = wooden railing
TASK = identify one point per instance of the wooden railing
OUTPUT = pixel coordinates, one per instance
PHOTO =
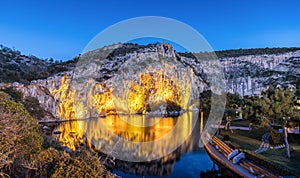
(244, 163)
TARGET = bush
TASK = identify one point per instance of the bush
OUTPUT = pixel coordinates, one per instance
(22, 154)
(32, 105)
(84, 163)
(4, 96)
(15, 94)
(19, 137)
(47, 161)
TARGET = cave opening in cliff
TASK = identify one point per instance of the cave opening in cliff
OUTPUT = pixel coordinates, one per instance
(154, 92)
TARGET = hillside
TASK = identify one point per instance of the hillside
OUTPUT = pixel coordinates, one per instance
(245, 74)
(16, 67)
(246, 52)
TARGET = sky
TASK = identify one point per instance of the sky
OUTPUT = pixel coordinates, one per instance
(61, 29)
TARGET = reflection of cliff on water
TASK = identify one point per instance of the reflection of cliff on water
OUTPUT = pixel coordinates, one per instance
(72, 133)
(163, 140)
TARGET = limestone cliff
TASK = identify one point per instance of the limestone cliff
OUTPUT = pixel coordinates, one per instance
(246, 75)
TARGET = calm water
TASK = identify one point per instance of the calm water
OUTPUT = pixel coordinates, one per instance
(171, 144)
(189, 165)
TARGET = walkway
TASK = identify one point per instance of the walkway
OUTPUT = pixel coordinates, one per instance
(221, 152)
(231, 127)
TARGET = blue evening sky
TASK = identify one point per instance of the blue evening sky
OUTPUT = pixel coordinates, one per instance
(61, 29)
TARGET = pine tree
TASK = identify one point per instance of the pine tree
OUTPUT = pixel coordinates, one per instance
(278, 107)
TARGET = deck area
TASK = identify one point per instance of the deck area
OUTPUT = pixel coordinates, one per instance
(235, 160)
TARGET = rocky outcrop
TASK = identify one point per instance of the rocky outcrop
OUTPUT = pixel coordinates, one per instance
(40, 89)
(249, 75)
(245, 75)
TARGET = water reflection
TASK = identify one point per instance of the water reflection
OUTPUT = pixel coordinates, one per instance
(138, 128)
(72, 133)
(163, 140)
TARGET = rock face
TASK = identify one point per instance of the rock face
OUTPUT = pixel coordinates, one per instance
(249, 75)
(140, 79)
(40, 89)
(245, 75)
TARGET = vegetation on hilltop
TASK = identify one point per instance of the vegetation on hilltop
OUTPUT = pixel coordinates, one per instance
(254, 51)
(16, 67)
(241, 52)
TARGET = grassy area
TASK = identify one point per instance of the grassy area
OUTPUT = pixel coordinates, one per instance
(252, 140)
(244, 139)
(241, 123)
(279, 157)
(256, 133)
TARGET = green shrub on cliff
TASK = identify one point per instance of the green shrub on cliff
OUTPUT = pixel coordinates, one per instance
(13, 93)
(33, 106)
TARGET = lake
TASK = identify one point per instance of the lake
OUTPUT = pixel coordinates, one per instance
(189, 165)
(140, 145)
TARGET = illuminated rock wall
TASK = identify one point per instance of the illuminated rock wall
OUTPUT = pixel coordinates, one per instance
(147, 83)
(246, 75)
(148, 93)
